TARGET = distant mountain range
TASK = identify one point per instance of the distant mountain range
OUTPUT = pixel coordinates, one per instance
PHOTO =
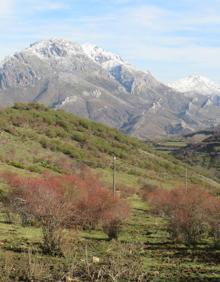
(196, 84)
(96, 84)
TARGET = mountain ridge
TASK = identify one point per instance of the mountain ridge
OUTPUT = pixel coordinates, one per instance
(196, 84)
(93, 83)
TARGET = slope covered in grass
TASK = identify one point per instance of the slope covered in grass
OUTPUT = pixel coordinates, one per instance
(35, 139)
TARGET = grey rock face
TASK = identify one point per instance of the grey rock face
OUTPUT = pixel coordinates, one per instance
(99, 85)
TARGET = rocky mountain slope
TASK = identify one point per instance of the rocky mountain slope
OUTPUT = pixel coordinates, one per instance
(96, 84)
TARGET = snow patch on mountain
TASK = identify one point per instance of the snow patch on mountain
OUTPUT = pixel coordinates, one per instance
(67, 100)
(104, 58)
(95, 93)
(55, 48)
(196, 84)
(155, 106)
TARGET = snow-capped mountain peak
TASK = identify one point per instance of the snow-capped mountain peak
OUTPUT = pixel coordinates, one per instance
(59, 48)
(196, 84)
(107, 59)
(55, 48)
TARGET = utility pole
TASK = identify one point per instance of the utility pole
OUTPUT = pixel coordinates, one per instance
(186, 179)
(114, 170)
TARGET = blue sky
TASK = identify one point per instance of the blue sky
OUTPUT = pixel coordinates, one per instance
(171, 38)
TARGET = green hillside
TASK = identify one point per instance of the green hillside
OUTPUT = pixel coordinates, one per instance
(35, 140)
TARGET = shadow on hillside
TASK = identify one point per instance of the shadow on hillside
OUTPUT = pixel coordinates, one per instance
(96, 238)
(209, 256)
(202, 253)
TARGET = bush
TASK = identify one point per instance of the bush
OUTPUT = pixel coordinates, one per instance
(115, 217)
(112, 228)
(191, 213)
(68, 201)
(30, 106)
(146, 190)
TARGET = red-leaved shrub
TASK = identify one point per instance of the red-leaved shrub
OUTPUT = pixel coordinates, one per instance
(65, 201)
(191, 213)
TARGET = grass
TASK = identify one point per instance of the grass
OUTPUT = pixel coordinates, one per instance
(164, 260)
(122, 178)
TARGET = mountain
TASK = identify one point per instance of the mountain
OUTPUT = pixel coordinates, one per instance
(93, 83)
(58, 74)
(204, 95)
(196, 84)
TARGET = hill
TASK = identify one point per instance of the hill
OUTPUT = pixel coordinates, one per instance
(35, 138)
(35, 141)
